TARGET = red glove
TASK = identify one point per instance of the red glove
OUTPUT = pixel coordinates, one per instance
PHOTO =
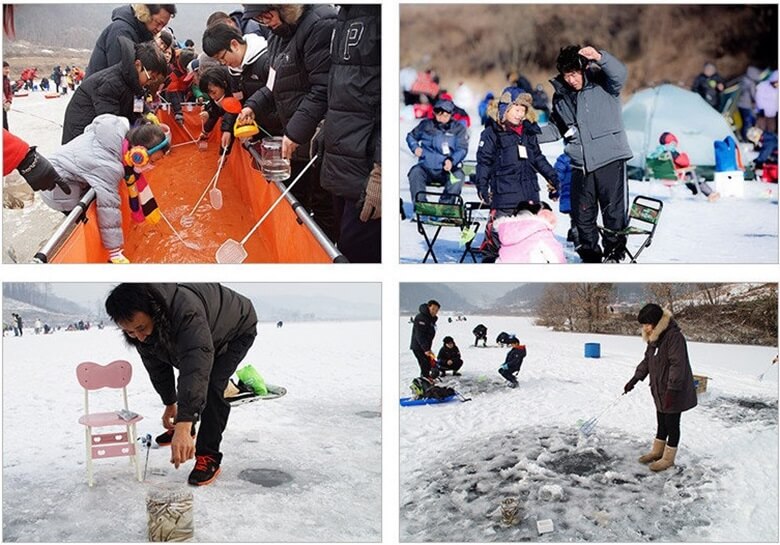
(669, 399)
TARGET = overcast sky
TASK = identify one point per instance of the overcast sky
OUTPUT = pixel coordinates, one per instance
(368, 294)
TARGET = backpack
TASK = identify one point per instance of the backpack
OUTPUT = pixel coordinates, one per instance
(423, 388)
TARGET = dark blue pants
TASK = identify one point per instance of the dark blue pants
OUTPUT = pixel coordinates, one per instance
(359, 241)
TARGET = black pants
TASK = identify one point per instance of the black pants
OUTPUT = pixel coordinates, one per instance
(483, 339)
(604, 188)
(359, 241)
(423, 362)
(216, 412)
(668, 428)
(5, 120)
(456, 365)
(314, 198)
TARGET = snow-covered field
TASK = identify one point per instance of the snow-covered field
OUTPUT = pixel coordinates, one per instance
(690, 229)
(460, 460)
(38, 121)
(325, 434)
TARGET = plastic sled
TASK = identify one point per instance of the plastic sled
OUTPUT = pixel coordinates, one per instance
(411, 402)
(274, 392)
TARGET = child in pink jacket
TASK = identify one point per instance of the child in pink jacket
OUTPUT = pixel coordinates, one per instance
(527, 236)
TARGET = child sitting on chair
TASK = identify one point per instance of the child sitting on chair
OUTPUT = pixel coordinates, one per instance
(668, 144)
(527, 236)
(514, 359)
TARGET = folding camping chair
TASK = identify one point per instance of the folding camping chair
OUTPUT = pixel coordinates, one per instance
(441, 215)
(642, 220)
(662, 168)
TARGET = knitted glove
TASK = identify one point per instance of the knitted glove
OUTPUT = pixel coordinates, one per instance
(372, 195)
(39, 173)
(630, 385)
(116, 256)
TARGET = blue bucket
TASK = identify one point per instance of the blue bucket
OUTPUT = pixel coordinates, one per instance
(592, 350)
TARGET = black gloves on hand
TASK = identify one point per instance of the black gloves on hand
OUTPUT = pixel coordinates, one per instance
(630, 385)
(39, 173)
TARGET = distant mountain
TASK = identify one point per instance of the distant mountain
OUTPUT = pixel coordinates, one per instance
(30, 313)
(313, 308)
(414, 294)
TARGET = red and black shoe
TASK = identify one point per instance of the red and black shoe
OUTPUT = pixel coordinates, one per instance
(206, 470)
(165, 438)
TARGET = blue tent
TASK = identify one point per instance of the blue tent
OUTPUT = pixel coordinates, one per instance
(668, 108)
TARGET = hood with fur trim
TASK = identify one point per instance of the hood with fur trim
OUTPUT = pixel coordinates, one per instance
(659, 328)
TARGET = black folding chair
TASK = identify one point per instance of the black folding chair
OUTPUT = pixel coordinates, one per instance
(642, 220)
(439, 215)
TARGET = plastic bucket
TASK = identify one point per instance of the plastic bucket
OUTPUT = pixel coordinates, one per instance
(169, 515)
(592, 350)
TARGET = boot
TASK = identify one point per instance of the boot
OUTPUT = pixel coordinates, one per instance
(655, 453)
(667, 461)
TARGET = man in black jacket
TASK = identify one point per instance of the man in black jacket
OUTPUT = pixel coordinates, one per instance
(137, 22)
(204, 331)
(117, 90)
(352, 133)
(423, 332)
(297, 88)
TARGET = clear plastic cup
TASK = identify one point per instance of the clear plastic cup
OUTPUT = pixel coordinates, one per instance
(273, 166)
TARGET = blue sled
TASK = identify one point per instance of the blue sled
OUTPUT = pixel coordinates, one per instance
(410, 402)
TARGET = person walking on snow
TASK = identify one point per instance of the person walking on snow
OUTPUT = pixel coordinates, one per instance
(671, 381)
(423, 332)
(204, 331)
(514, 359)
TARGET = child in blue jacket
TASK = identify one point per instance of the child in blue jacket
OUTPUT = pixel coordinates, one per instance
(514, 359)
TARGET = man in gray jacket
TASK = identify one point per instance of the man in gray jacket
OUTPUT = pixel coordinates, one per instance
(204, 331)
(587, 114)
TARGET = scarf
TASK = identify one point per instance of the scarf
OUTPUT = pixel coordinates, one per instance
(143, 207)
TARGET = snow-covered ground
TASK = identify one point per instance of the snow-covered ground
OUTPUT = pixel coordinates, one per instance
(460, 460)
(325, 434)
(690, 230)
(38, 121)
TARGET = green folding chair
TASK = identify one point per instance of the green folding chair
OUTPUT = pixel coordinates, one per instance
(440, 215)
(642, 221)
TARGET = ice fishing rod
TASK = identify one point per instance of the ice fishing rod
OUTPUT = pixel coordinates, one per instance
(147, 442)
(33, 115)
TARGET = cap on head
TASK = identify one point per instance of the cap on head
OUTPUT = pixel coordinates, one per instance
(668, 138)
(512, 340)
(444, 105)
(448, 339)
(650, 314)
(515, 95)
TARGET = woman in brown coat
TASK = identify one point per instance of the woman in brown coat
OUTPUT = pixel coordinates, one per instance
(671, 381)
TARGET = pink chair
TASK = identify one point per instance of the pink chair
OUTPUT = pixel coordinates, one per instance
(93, 376)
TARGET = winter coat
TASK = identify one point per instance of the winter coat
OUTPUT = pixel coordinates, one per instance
(423, 330)
(8, 94)
(248, 26)
(707, 88)
(595, 112)
(480, 331)
(200, 323)
(14, 151)
(515, 357)
(747, 88)
(93, 159)
(563, 170)
(300, 65)
(56, 76)
(352, 131)
(110, 91)
(666, 361)
(249, 79)
(511, 179)
(439, 142)
(766, 97)
(527, 238)
(107, 51)
(446, 354)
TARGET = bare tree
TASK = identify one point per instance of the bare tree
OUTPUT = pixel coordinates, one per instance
(664, 293)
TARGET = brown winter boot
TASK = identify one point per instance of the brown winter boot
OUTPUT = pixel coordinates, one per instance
(667, 461)
(655, 453)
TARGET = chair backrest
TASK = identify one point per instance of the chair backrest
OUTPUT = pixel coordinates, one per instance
(661, 168)
(646, 209)
(93, 376)
(434, 212)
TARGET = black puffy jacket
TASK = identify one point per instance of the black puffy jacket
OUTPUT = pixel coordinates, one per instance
(202, 319)
(300, 84)
(352, 129)
(423, 330)
(110, 91)
(449, 354)
(107, 51)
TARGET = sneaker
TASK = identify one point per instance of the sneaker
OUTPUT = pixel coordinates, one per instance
(206, 470)
(512, 384)
(165, 438)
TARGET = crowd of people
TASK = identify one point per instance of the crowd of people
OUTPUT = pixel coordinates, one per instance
(16, 325)
(323, 101)
(589, 178)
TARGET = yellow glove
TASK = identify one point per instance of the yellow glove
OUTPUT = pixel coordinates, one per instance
(152, 118)
(116, 256)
